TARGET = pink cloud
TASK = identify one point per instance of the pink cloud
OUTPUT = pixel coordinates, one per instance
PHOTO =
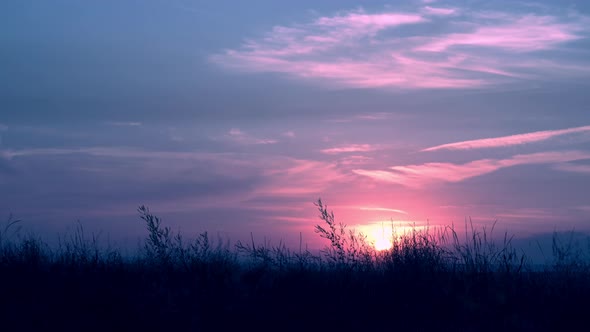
(350, 148)
(297, 177)
(361, 24)
(508, 140)
(354, 160)
(574, 168)
(398, 71)
(368, 208)
(439, 11)
(351, 50)
(394, 71)
(379, 175)
(419, 175)
(528, 33)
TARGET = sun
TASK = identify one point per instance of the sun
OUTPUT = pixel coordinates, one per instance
(380, 235)
(383, 244)
(383, 234)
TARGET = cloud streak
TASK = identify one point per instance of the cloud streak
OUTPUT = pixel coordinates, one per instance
(125, 124)
(299, 177)
(121, 152)
(382, 209)
(369, 50)
(423, 174)
(240, 137)
(527, 34)
(511, 140)
(351, 148)
(437, 11)
(573, 168)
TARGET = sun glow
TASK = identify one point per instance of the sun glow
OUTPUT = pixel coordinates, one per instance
(383, 234)
(379, 235)
(383, 244)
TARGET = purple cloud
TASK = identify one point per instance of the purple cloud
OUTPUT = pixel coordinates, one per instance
(427, 173)
(508, 140)
(367, 50)
(439, 11)
(237, 136)
(350, 148)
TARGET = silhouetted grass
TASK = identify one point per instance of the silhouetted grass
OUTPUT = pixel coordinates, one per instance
(431, 279)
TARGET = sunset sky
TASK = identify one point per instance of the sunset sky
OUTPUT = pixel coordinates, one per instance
(235, 116)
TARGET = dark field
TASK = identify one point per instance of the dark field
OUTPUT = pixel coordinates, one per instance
(428, 281)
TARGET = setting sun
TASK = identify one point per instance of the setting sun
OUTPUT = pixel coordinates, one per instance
(382, 234)
(382, 237)
(383, 244)
(379, 235)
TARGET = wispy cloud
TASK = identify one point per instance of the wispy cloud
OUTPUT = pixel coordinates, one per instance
(585, 208)
(573, 168)
(368, 50)
(367, 208)
(419, 175)
(439, 11)
(375, 116)
(290, 134)
(528, 213)
(528, 33)
(351, 148)
(294, 177)
(508, 140)
(282, 175)
(125, 124)
(118, 152)
(238, 136)
(361, 24)
(355, 160)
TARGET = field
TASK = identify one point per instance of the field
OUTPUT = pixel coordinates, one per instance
(429, 280)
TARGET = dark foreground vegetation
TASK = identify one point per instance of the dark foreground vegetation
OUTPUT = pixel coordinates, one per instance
(428, 281)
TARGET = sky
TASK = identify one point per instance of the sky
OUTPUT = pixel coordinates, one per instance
(236, 116)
